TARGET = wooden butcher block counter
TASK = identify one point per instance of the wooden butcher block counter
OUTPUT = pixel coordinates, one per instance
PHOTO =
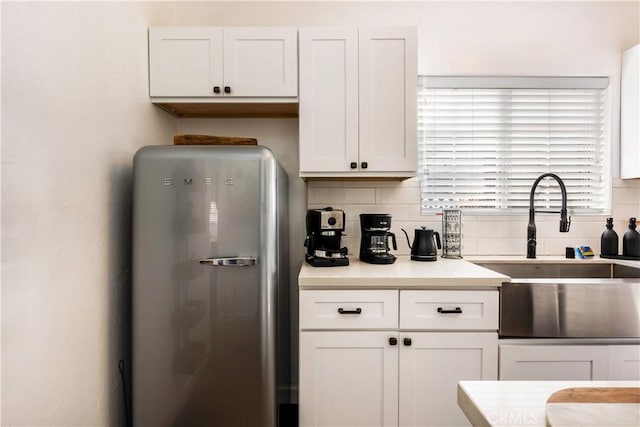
(550, 403)
(594, 406)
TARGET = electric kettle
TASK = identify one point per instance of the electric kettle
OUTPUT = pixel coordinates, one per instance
(424, 244)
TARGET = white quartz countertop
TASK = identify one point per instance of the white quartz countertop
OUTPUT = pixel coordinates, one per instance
(441, 274)
(404, 273)
(518, 403)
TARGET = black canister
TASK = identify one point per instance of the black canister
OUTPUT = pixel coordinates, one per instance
(631, 240)
(609, 240)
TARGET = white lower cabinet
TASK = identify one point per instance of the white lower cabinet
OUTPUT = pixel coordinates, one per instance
(569, 362)
(553, 362)
(392, 376)
(431, 367)
(348, 379)
(624, 362)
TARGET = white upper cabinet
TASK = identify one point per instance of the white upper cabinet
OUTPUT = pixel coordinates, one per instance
(220, 63)
(630, 114)
(184, 61)
(328, 99)
(261, 61)
(388, 64)
(358, 109)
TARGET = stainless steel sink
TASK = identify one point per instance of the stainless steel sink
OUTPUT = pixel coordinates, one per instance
(529, 270)
(556, 300)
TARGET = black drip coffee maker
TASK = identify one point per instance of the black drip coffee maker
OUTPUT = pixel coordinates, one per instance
(324, 230)
(374, 240)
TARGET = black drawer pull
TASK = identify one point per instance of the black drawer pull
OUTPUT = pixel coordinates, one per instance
(458, 310)
(216, 89)
(343, 311)
(364, 165)
(407, 341)
(227, 89)
(393, 341)
(353, 165)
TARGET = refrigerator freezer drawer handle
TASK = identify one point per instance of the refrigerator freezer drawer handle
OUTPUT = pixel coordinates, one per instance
(243, 261)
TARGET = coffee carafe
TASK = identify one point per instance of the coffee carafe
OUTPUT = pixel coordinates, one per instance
(374, 240)
(426, 243)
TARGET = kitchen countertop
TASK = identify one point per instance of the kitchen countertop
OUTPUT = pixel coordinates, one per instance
(441, 274)
(404, 273)
(518, 403)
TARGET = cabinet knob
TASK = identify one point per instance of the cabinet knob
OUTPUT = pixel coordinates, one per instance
(216, 89)
(364, 165)
(393, 341)
(354, 165)
(406, 341)
(227, 89)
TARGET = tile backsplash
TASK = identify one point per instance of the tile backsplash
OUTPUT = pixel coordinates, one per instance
(482, 234)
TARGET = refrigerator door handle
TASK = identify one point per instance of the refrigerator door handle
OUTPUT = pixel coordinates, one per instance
(241, 261)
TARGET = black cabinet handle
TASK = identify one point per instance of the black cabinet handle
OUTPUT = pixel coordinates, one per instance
(216, 89)
(227, 89)
(458, 310)
(343, 311)
(406, 341)
(354, 165)
(393, 341)
(364, 165)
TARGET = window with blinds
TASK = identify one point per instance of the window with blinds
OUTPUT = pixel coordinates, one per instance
(483, 142)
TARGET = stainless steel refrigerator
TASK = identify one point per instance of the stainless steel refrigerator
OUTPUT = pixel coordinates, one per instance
(210, 291)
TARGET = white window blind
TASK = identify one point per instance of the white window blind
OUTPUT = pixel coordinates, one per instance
(482, 145)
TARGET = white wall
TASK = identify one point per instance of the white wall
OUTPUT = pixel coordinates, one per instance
(75, 109)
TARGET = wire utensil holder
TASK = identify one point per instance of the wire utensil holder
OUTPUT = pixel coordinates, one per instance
(452, 233)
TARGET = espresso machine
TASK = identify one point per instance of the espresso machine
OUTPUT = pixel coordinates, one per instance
(374, 240)
(324, 230)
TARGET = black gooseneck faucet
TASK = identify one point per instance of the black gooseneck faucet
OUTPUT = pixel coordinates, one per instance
(565, 222)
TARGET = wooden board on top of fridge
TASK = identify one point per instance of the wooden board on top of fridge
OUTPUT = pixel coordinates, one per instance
(188, 139)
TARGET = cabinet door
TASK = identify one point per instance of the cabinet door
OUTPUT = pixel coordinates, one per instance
(388, 99)
(348, 379)
(624, 362)
(430, 369)
(260, 61)
(328, 110)
(629, 113)
(185, 61)
(554, 362)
